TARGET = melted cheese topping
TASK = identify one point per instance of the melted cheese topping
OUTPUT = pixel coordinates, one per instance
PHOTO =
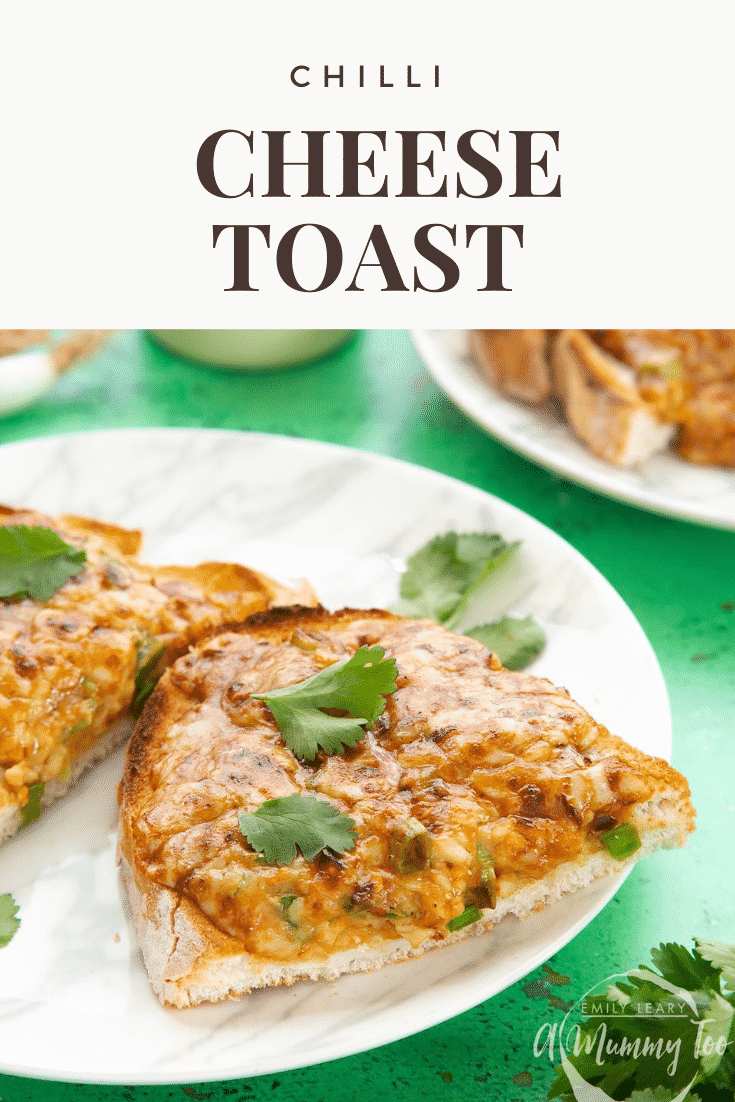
(68, 665)
(478, 760)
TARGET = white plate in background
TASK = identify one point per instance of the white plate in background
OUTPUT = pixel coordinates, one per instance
(663, 484)
(74, 999)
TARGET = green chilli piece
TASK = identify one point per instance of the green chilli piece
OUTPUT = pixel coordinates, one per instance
(32, 809)
(485, 893)
(409, 847)
(470, 915)
(284, 905)
(146, 674)
(622, 841)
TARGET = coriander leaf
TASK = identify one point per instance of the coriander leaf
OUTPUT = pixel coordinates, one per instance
(718, 1020)
(440, 576)
(660, 1094)
(698, 1040)
(710, 1092)
(279, 826)
(516, 640)
(684, 968)
(35, 562)
(720, 955)
(356, 685)
(9, 924)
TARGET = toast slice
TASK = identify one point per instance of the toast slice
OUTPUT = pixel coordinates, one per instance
(71, 666)
(626, 393)
(690, 374)
(478, 793)
(516, 361)
(604, 404)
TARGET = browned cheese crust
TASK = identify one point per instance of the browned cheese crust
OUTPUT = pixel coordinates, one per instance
(484, 760)
(67, 665)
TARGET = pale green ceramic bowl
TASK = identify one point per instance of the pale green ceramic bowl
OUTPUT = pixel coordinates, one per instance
(251, 349)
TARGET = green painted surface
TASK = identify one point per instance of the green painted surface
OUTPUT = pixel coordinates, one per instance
(677, 578)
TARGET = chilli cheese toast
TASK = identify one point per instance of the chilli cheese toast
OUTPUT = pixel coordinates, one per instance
(72, 665)
(627, 393)
(476, 793)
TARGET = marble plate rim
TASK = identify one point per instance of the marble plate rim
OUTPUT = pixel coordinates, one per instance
(359, 1044)
(486, 408)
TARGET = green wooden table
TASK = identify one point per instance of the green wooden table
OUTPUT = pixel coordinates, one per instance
(376, 395)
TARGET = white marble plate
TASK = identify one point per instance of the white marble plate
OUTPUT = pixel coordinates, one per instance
(664, 484)
(74, 999)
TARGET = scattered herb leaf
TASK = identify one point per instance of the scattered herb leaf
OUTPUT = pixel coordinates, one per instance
(9, 924)
(684, 968)
(703, 1041)
(441, 576)
(659, 1094)
(35, 562)
(32, 809)
(279, 826)
(516, 640)
(356, 685)
(719, 956)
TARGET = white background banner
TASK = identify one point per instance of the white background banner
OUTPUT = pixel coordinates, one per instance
(104, 220)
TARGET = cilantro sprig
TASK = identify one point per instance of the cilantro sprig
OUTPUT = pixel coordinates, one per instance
(442, 576)
(279, 826)
(703, 1038)
(35, 562)
(516, 640)
(9, 922)
(357, 685)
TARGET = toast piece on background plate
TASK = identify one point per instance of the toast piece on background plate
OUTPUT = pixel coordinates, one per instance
(516, 361)
(72, 666)
(603, 402)
(627, 393)
(479, 792)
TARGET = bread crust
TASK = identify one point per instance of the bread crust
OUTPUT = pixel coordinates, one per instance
(191, 957)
